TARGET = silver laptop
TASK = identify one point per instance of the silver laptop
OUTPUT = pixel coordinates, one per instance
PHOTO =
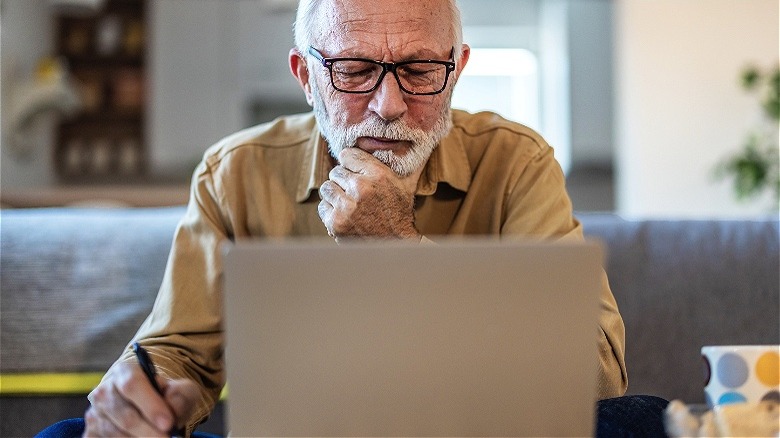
(463, 338)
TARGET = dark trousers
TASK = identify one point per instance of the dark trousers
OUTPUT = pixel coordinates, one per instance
(628, 416)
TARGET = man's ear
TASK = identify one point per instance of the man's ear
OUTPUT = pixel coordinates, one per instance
(299, 69)
(465, 51)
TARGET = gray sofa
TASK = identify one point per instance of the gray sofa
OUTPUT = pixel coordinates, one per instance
(76, 283)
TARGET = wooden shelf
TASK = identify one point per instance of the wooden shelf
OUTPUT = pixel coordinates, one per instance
(105, 54)
(79, 62)
(104, 117)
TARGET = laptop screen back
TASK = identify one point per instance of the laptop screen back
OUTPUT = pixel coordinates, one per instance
(464, 338)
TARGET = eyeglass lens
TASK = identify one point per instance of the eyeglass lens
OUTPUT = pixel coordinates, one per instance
(415, 77)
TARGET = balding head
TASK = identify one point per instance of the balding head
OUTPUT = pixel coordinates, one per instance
(317, 19)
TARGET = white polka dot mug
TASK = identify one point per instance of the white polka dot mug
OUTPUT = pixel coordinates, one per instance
(741, 373)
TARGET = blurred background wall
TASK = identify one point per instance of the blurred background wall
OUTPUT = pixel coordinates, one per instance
(640, 99)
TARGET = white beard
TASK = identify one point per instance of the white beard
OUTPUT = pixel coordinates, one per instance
(422, 142)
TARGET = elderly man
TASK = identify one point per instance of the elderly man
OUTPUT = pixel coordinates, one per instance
(382, 156)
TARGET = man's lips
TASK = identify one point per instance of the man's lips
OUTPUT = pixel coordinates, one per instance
(372, 144)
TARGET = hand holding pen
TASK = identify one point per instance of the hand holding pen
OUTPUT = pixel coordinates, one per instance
(130, 401)
(151, 373)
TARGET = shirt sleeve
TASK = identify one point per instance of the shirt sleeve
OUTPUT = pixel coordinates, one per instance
(540, 206)
(183, 332)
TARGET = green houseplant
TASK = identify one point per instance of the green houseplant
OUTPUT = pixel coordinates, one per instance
(755, 168)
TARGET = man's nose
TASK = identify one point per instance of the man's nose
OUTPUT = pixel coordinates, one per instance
(388, 100)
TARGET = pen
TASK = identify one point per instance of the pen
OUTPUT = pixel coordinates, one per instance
(148, 366)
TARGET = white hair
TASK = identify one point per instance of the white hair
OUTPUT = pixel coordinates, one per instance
(307, 25)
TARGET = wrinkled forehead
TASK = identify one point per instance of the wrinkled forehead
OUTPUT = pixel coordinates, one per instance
(401, 28)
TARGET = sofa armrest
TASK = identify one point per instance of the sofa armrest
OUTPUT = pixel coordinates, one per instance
(77, 283)
(683, 284)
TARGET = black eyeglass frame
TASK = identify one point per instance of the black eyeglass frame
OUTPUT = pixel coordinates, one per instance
(386, 67)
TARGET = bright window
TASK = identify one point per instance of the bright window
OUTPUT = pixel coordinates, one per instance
(505, 81)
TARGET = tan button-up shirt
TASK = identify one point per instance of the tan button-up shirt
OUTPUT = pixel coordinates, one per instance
(489, 176)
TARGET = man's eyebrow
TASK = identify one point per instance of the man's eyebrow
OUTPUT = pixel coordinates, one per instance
(427, 54)
(421, 54)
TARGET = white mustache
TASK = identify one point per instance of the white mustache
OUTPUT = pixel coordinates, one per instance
(394, 130)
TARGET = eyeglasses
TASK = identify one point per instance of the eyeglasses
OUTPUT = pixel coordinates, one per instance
(359, 75)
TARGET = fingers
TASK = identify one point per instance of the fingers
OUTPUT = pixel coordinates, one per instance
(359, 161)
(98, 425)
(342, 177)
(126, 404)
(334, 191)
(134, 386)
(326, 212)
(111, 415)
(182, 396)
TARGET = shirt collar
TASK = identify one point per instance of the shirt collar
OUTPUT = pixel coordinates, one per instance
(448, 164)
(315, 167)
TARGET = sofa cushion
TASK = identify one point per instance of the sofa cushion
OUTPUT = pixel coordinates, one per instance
(77, 283)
